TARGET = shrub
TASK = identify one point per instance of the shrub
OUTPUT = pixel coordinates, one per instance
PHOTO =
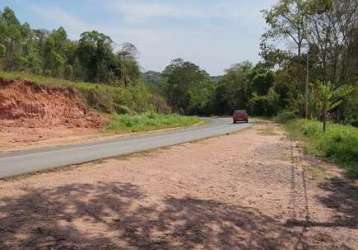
(285, 116)
(340, 142)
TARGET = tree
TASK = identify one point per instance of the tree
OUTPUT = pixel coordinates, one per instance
(330, 29)
(129, 69)
(10, 37)
(96, 56)
(329, 98)
(287, 19)
(262, 79)
(234, 88)
(186, 86)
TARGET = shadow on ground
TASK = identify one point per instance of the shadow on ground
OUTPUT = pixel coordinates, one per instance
(343, 198)
(119, 215)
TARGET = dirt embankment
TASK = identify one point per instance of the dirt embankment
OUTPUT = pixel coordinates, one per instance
(29, 113)
(25, 104)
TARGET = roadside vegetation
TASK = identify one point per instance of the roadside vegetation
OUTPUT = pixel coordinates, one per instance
(339, 143)
(149, 121)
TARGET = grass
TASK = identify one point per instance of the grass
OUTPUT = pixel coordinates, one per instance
(339, 143)
(149, 121)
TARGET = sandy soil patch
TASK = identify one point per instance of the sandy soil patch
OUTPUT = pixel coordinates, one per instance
(249, 190)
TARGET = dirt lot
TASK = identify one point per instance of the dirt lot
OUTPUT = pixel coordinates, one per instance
(249, 190)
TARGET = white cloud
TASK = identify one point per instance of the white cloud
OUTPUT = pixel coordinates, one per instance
(142, 10)
(59, 17)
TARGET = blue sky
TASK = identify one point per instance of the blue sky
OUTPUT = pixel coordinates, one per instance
(211, 33)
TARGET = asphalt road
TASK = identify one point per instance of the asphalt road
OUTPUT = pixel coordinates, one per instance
(22, 162)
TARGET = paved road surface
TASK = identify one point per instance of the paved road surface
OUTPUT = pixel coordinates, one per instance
(21, 162)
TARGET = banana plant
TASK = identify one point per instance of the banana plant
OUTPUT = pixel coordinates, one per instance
(329, 97)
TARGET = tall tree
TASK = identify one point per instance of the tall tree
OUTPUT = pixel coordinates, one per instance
(183, 83)
(95, 56)
(129, 68)
(287, 19)
(234, 89)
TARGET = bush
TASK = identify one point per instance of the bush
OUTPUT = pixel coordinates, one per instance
(285, 116)
(339, 142)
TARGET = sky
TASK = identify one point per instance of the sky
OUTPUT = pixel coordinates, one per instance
(214, 34)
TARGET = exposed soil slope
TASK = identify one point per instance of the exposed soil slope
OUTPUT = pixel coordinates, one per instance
(33, 115)
(25, 104)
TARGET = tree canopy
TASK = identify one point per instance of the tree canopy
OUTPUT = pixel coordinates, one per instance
(92, 58)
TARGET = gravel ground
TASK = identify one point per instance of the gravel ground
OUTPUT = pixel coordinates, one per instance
(249, 190)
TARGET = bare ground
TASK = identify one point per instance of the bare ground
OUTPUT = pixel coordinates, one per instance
(19, 138)
(249, 190)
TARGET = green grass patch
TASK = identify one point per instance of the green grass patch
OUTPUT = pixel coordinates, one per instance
(149, 121)
(101, 97)
(339, 143)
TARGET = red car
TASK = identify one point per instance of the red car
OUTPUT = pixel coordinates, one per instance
(240, 115)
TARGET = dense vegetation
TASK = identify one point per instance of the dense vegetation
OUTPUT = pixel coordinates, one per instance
(91, 58)
(340, 142)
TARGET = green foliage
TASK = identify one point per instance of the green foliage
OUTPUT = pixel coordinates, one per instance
(91, 59)
(264, 105)
(350, 105)
(187, 87)
(329, 97)
(325, 34)
(234, 89)
(149, 121)
(286, 19)
(2, 50)
(339, 143)
(285, 116)
(262, 79)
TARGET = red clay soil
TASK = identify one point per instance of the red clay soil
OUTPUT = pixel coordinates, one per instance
(25, 104)
(33, 115)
